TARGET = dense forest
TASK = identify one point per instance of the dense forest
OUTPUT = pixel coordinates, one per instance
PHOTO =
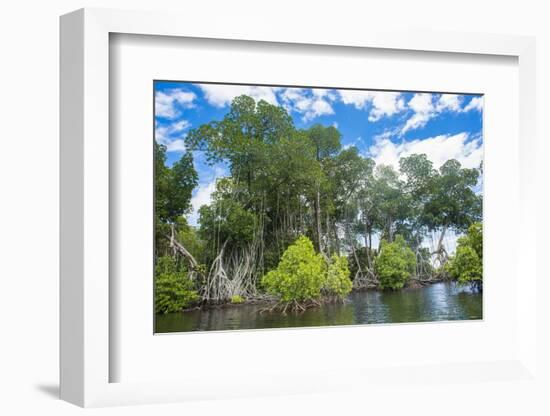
(300, 219)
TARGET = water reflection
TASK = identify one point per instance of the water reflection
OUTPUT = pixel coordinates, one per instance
(437, 302)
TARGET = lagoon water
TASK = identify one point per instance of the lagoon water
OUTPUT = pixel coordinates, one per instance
(444, 301)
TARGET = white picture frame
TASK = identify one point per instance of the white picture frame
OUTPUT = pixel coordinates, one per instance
(85, 219)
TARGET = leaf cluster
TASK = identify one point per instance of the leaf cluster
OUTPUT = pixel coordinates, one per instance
(466, 266)
(174, 291)
(173, 185)
(303, 274)
(395, 264)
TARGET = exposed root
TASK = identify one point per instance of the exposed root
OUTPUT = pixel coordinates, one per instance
(299, 307)
(365, 280)
(272, 308)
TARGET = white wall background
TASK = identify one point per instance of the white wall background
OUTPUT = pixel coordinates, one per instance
(29, 56)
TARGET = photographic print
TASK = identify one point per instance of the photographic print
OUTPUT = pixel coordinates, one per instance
(283, 206)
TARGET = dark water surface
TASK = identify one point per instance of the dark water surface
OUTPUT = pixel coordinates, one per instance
(438, 302)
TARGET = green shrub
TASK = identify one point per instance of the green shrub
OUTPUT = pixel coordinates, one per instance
(300, 275)
(174, 291)
(304, 275)
(466, 266)
(337, 281)
(237, 299)
(395, 264)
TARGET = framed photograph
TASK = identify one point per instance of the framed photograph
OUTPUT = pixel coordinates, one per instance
(283, 206)
(288, 211)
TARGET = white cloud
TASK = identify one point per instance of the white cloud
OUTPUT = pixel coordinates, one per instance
(161, 135)
(220, 95)
(427, 106)
(382, 103)
(167, 102)
(424, 110)
(171, 135)
(451, 102)
(386, 134)
(421, 103)
(475, 103)
(354, 143)
(203, 195)
(179, 126)
(309, 103)
(386, 104)
(438, 149)
(359, 99)
(177, 145)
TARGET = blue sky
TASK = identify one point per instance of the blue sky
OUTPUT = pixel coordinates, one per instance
(381, 124)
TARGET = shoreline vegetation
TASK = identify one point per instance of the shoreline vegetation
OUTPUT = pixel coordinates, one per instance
(293, 223)
(271, 302)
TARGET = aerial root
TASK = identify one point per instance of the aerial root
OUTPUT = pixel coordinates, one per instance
(292, 306)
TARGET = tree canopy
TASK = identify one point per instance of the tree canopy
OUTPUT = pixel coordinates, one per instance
(297, 212)
(466, 266)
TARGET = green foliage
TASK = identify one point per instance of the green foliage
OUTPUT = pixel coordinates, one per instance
(338, 282)
(395, 264)
(185, 234)
(242, 136)
(300, 275)
(226, 218)
(173, 186)
(304, 275)
(284, 181)
(475, 238)
(325, 139)
(466, 266)
(236, 299)
(174, 291)
(189, 238)
(420, 174)
(274, 174)
(452, 202)
(350, 175)
(392, 205)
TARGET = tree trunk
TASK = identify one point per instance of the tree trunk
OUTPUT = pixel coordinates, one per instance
(370, 238)
(440, 242)
(336, 238)
(318, 218)
(366, 235)
(249, 178)
(328, 234)
(179, 248)
(352, 245)
(440, 250)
